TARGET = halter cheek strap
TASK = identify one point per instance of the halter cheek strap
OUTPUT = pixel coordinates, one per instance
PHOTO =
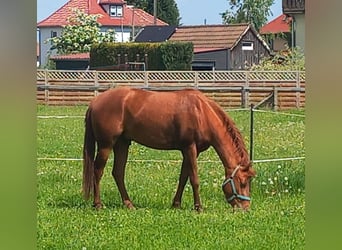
(231, 181)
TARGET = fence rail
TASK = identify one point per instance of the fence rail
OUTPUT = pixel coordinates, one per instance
(229, 88)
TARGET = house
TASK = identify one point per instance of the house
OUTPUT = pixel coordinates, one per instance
(296, 10)
(278, 33)
(223, 47)
(125, 19)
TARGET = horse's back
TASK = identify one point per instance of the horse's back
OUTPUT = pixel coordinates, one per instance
(164, 120)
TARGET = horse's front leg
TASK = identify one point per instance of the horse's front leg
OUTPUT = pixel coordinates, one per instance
(190, 160)
(183, 177)
(118, 172)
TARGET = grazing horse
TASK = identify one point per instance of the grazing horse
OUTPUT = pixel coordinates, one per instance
(184, 120)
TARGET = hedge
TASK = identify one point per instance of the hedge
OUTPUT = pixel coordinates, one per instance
(157, 56)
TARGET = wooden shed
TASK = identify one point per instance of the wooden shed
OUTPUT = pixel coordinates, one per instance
(223, 47)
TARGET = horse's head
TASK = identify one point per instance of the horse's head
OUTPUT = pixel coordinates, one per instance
(237, 186)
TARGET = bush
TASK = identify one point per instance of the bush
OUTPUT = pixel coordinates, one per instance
(157, 56)
(177, 55)
(288, 59)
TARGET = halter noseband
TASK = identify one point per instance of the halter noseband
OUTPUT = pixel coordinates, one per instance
(231, 181)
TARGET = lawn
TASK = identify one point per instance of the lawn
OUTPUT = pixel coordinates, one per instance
(65, 221)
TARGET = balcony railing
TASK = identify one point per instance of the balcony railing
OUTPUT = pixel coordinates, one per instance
(293, 6)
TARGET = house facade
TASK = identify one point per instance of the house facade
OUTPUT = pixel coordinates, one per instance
(296, 10)
(277, 33)
(124, 19)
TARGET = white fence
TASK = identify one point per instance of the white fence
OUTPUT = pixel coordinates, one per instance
(231, 88)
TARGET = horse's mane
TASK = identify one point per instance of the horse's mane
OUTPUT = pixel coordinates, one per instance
(234, 133)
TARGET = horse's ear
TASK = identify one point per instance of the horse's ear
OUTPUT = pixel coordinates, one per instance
(251, 172)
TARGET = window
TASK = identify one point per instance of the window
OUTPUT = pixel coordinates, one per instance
(53, 34)
(115, 10)
(247, 45)
(119, 10)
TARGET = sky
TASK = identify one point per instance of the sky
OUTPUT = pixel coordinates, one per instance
(192, 12)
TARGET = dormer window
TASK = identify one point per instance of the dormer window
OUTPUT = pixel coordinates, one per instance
(115, 10)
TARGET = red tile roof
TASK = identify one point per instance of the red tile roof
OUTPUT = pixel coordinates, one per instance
(59, 17)
(281, 24)
(78, 56)
(210, 37)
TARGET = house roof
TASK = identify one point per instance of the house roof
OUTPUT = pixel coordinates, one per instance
(281, 24)
(78, 56)
(155, 33)
(140, 18)
(211, 37)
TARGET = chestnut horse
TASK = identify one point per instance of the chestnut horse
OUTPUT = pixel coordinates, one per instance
(184, 120)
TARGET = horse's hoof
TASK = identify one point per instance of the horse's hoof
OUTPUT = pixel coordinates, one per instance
(129, 205)
(176, 205)
(98, 206)
(198, 208)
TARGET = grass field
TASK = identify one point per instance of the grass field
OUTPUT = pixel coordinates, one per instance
(66, 221)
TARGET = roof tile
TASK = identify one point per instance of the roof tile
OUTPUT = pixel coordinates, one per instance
(59, 17)
(281, 24)
(221, 36)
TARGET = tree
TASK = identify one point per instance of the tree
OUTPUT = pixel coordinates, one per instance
(167, 10)
(141, 4)
(80, 33)
(248, 11)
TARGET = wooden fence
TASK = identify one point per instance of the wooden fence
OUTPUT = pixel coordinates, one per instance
(231, 89)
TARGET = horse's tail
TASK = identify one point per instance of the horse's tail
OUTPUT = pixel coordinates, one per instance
(88, 156)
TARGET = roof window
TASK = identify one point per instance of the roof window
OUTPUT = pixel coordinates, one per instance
(115, 10)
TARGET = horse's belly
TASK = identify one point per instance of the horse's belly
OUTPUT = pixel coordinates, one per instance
(153, 137)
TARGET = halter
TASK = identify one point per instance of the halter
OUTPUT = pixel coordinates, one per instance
(235, 194)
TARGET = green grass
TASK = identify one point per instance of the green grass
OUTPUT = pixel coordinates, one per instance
(66, 221)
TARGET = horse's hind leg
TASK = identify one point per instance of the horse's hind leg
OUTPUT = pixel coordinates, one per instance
(118, 172)
(100, 162)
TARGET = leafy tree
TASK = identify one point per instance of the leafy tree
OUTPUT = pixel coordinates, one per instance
(80, 33)
(141, 4)
(167, 10)
(248, 11)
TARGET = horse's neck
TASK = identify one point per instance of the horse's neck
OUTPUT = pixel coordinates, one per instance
(230, 148)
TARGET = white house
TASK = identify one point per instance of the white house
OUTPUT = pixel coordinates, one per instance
(116, 15)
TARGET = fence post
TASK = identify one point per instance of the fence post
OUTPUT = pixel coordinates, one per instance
(275, 99)
(96, 84)
(298, 89)
(245, 92)
(251, 134)
(196, 79)
(146, 79)
(46, 83)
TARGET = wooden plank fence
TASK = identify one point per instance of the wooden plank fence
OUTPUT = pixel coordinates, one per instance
(231, 89)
